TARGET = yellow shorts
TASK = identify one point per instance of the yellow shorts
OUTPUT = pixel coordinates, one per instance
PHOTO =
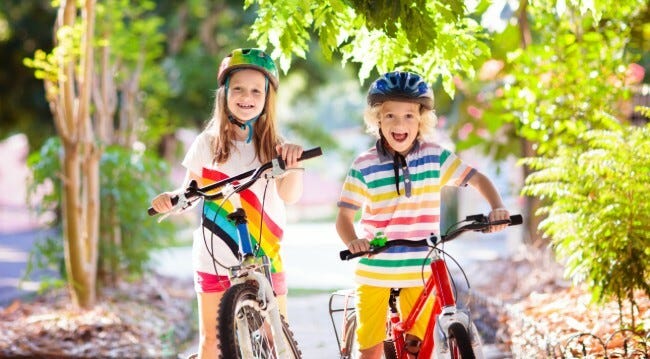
(372, 313)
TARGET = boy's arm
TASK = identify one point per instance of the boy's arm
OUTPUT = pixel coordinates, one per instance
(345, 229)
(486, 188)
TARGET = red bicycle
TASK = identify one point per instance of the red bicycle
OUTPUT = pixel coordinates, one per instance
(450, 331)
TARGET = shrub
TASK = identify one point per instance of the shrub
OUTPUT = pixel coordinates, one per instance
(597, 208)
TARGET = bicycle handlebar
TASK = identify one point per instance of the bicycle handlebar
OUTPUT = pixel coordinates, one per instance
(478, 222)
(254, 174)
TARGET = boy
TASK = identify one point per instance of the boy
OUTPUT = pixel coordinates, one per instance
(397, 183)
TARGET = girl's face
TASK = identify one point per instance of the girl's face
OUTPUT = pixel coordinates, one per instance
(246, 94)
(399, 122)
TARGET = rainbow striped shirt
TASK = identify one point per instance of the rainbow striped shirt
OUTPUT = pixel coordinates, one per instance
(265, 210)
(412, 215)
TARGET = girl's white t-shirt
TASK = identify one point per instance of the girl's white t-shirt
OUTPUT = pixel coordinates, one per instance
(265, 210)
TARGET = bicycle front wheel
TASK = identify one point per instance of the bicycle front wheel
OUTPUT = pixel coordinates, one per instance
(244, 327)
(460, 345)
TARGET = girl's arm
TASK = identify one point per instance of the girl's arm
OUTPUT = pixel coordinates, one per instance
(290, 186)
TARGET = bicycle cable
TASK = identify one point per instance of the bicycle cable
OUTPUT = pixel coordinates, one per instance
(258, 248)
(210, 250)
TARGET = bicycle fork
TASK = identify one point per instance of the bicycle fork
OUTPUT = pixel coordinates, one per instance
(265, 294)
(449, 313)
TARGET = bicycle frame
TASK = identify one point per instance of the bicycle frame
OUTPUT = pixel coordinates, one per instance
(439, 285)
(446, 320)
(247, 271)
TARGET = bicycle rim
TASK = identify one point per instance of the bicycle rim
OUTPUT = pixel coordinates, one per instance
(350, 348)
(244, 328)
(460, 346)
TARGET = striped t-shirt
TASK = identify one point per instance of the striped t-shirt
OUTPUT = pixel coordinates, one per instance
(413, 214)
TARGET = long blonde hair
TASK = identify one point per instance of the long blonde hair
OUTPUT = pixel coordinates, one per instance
(265, 134)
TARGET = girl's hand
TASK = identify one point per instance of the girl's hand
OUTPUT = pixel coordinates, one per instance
(290, 154)
(162, 203)
(498, 214)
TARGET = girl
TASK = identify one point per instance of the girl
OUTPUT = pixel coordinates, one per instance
(241, 135)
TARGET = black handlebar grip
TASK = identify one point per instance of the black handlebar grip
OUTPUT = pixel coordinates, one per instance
(516, 219)
(152, 211)
(346, 255)
(311, 153)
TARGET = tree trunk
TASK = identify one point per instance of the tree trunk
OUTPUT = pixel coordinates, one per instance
(70, 104)
(531, 221)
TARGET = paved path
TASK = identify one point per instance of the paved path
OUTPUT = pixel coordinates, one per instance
(14, 253)
(311, 260)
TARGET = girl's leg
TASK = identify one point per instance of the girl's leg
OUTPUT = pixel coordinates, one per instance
(282, 303)
(208, 312)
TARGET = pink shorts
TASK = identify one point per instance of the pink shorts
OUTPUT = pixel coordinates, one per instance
(210, 283)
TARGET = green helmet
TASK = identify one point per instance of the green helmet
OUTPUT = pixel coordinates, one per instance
(255, 59)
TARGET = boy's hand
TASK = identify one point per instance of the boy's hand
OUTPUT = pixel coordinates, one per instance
(359, 245)
(498, 214)
(290, 154)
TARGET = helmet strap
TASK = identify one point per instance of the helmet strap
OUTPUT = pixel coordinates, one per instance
(398, 159)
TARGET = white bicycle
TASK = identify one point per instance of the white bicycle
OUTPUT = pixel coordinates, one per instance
(250, 324)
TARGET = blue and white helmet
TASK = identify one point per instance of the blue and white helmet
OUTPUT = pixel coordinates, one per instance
(400, 86)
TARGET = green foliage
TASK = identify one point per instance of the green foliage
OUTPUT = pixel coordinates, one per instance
(645, 111)
(129, 179)
(24, 26)
(560, 85)
(597, 208)
(434, 38)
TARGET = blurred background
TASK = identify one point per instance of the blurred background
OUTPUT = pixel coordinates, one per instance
(512, 80)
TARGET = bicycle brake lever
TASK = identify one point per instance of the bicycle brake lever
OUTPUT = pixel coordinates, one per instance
(182, 204)
(432, 240)
(278, 167)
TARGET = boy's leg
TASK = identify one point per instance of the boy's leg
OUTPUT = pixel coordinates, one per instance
(372, 307)
(407, 299)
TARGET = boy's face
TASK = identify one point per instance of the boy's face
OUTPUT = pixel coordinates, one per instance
(400, 122)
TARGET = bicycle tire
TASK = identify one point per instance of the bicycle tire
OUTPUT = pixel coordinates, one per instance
(240, 308)
(390, 352)
(460, 345)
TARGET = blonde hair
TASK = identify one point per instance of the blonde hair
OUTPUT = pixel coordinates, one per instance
(427, 122)
(265, 134)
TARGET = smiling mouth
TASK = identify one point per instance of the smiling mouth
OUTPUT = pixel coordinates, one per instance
(399, 137)
(245, 107)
